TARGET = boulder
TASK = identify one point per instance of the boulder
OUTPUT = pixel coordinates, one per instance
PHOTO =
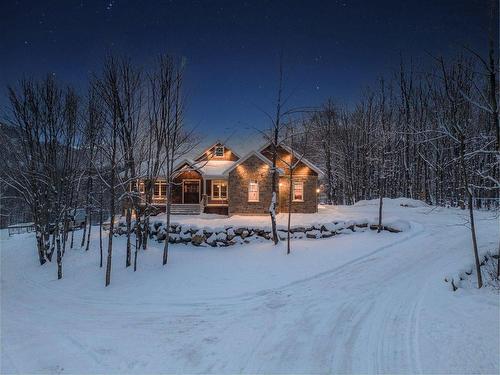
(161, 235)
(207, 231)
(328, 227)
(185, 236)
(313, 233)
(327, 234)
(237, 240)
(298, 235)
(391, 229)
(361, 223)
(263, 234)
(193, 229)
(351, 224)
(239, 231)
(174, 238)
(212, 240)
(282, 235)
(230, 234)
(198, 238)
(221, 237)
(317, 226)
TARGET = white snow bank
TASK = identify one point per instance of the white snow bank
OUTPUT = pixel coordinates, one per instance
(364, 303)
(392, 202)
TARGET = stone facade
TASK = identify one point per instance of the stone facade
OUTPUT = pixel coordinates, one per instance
(310, 202)
(252, 169)
(283, 155)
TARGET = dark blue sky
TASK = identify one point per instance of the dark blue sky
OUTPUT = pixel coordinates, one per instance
(332, 48)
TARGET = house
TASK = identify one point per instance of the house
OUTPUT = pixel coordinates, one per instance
(220, 181)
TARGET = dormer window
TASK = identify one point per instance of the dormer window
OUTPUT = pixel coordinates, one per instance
(219, 151)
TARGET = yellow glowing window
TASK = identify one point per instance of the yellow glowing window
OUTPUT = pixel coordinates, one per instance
(298, 191)
(253, 191)
(219, 189)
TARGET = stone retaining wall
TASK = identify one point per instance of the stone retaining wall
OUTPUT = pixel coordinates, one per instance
(230, 235)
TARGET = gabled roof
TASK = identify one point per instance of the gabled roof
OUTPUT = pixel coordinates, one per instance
(201, 154)
(298, 156)
(207, 168)
(215, 168)
(241, 142)
(183, 162)
(247, 156)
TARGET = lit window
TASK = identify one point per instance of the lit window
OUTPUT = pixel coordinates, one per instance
(253, 191)
(219, 151)
(219, 189)
(160, 189)
(298, 191)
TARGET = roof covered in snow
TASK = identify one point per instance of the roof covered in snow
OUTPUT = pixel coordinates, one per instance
(215, 168)
(243, 144)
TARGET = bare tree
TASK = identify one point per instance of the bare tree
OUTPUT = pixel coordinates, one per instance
(274, 135)
(108, 88)
(455, 124)
(177, 139)
(44, 164)
(296, 142)
(92, 125)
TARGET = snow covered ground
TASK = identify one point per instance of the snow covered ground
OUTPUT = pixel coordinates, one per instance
(354, 303)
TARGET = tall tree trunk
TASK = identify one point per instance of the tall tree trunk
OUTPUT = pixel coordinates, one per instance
(129, 230)
(381, 202)
(168, 208)
(59, 253)
(290, 196)
(110, 244)
(72, 236)
(471, 212)
(87, 205)
(40, 246)
(274, 188)
(381, 198)
(89, 215)
(100, 233)
(88, 234)
(112, 199)
(138, 239)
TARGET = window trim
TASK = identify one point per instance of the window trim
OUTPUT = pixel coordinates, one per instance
(215, 151)
(219, 198)
(257, 191)
(293, 191)
(162, 188)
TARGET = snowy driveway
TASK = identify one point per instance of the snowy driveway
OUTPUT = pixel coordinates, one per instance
(360, 303)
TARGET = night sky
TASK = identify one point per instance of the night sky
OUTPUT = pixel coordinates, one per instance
(331, 48)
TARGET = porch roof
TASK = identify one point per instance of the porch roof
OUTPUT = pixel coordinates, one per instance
(215, 168)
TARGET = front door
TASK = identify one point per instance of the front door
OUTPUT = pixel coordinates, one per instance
(191, 191)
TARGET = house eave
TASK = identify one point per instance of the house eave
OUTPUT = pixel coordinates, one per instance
(303, 159)
(247, 156)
